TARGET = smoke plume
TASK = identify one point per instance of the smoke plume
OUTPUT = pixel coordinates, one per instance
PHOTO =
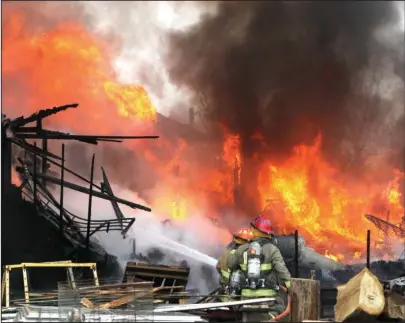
(151, 234)
(290, 70)
(274, 73)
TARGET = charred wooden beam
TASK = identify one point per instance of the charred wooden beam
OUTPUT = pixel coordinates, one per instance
(43, 164)
(21, 121)
(125, 231)
(62, 136)
(6, 161)
(90, 203)
(23, 144)
(62, 178)
(47, 135)
(74, 173)
(35, 177)
(107, 188)
(85, 190)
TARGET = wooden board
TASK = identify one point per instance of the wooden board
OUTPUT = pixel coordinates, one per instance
(189, 307)
(304, 299)
(362, 297)
(394, 306)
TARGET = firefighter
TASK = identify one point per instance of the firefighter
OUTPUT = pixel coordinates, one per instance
(263, 270)
(239, 239)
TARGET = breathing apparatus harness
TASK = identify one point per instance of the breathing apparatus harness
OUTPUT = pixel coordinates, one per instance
(254, 260)
(253, 272)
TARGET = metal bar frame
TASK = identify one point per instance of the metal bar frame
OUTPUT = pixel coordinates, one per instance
(296, 256)
(98, 228)
(58, 264)
(368, 249)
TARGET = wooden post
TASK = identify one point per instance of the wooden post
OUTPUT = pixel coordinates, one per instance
(304, 299)
(90, 202)
(7, 286)
(95, 276)
(6, 161)
(71, 277)
(62, 176)
(45, 150)
(25, 280)
(34, 177)
(296, 257)
(368, 249)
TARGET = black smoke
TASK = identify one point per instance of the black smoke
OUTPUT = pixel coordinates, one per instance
(283, 69)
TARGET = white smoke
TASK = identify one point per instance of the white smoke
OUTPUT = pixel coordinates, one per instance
(143, 28)
(194, 239)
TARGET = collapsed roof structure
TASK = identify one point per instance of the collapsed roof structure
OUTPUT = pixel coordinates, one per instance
(34, 167)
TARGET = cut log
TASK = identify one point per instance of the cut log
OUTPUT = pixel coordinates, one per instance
(394, 306)
(361, 298)
(304, 299)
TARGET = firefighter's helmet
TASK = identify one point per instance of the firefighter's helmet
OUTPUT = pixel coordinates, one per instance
(262, 224)
(243, 236)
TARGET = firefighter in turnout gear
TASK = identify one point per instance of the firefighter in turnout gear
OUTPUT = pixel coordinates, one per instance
(258, 270)
(240, 238)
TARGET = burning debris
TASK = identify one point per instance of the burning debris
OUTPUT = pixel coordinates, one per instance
(265, 88)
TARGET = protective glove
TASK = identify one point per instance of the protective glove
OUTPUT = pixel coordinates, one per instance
(286, 285)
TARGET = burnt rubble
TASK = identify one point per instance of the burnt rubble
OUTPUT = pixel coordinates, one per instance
(49, 232)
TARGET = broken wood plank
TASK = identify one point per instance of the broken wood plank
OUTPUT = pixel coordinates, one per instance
(108, 189)
(361, 297)
(126, 299)
(305, 299)
(85, 190)
(87, 303)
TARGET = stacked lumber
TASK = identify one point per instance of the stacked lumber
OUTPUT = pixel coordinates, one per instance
(363, 298)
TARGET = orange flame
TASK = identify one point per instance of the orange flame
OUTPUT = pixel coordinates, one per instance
(326, 211)
(68, 64)
(131, 100)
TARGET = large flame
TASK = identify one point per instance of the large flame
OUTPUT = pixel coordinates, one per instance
(68, 64)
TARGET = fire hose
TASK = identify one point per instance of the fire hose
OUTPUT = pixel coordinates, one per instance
(288, 308)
